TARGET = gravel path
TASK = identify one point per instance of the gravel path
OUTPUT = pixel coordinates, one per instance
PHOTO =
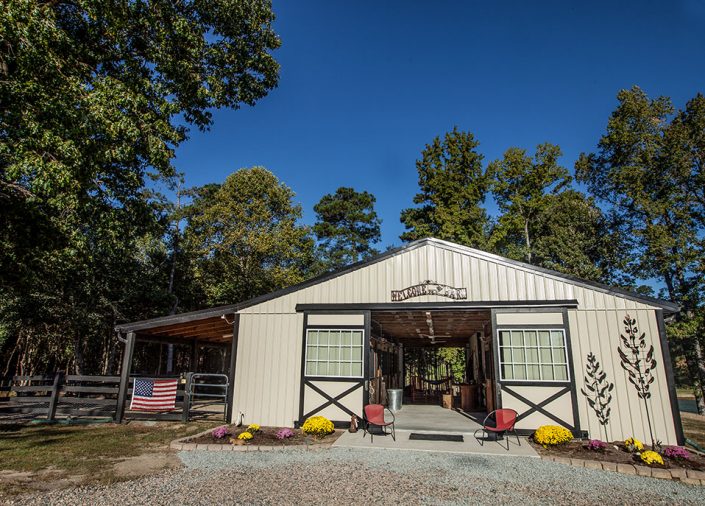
(347, 475)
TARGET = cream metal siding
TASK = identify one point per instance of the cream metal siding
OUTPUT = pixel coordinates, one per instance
(269, 355)
(555, 318)
(485, 276)
(598, 331)
(331, 320)
(268, 370)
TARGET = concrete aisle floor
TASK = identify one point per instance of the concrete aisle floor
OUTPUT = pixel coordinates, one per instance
(435, 420)
(469, 444)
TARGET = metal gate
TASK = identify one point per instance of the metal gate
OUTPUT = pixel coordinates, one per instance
(204, 391)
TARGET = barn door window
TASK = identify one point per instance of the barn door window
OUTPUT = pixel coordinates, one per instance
(533, 355)
(334, 353)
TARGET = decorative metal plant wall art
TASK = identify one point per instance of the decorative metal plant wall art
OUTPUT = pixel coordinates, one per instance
(597, 390)
(639, 366)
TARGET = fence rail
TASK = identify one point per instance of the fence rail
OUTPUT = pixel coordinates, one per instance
(60, 395)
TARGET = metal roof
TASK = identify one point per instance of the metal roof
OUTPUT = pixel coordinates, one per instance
(668, 307)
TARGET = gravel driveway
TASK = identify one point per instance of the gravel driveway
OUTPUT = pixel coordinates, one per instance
(342, 476)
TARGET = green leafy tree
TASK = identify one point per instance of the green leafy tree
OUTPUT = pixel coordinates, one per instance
(245, 237)
(94, 98)
(524, 188)
(571, 235)
(347, 227)
(453, 187)
(648, 168)
(544, 221)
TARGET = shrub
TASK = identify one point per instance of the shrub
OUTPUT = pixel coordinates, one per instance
(650, 458)
(633, 445)
(220, 432)
(551, 435)
(253, 427)
(676, 453)
(245, 436)
(318, 426)
(284, 433)
(596, 445)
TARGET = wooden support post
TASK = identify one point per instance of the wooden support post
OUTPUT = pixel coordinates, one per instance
(231, 370)
(186, 407)
(125, 376)
(54, 398)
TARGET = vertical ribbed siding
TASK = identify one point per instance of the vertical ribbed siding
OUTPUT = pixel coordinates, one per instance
(598, 332)
(268, 371)
(485, 279)
(268, 368)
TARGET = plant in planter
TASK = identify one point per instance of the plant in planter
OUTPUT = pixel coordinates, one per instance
(676, 453)
(552, 435)
(253, 428)
(596, 445)
(650, 458)
(318, 426)
(284, 433)
(633, 445)
(220, 432)
(245, 436)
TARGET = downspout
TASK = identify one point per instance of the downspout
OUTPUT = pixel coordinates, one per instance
(119, 336)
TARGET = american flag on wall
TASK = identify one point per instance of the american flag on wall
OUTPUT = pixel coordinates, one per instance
(154, 394)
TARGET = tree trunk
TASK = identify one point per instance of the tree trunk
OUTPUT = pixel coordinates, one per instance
(527, 241)
(700, 366)
(78, 355)
(6, 372)
(111, 359)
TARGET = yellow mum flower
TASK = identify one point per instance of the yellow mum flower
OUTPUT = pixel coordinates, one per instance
(245, 436)
(633, 445)
(253, 428)
(650, 458)
(318, 426)
(551, 435)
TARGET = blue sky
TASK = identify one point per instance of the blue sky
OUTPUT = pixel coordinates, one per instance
(365, 85)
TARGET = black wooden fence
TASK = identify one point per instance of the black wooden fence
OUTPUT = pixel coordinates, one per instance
(53, 396)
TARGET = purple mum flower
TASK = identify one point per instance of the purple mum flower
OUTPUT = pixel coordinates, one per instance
(596, 445)
(676, 453)
(220, 432)
(284, 433)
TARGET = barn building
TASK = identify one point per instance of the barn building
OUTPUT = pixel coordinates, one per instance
(332, 344)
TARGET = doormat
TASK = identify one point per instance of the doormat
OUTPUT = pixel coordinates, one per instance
(457, 438)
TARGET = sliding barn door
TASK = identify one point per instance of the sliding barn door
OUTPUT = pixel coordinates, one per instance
(334, 364)
(534, 368)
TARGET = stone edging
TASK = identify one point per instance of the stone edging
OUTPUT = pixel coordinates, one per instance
(684, 475)
(184, 445)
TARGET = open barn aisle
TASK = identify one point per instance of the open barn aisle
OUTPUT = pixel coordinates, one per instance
(429, 418)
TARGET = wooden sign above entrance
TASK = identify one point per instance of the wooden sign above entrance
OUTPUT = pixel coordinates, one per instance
(429, 287)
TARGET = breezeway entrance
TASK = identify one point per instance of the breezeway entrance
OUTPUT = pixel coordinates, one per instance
(429, 418)
(441, 361)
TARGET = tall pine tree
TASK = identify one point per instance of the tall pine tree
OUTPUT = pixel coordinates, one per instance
(543, 220)
(347, 226)
(453, 186)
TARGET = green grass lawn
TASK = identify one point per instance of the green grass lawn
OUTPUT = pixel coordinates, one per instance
(686, 393)
(90, 451)
(694, 427)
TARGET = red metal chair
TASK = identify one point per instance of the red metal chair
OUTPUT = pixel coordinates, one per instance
(374, 415)
(504, 424)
